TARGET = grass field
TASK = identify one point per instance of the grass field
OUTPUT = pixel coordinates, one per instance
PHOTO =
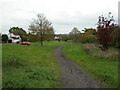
(30, 66)
(104, 70)
(0, 66)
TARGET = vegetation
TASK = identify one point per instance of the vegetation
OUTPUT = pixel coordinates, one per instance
(106, 35)
(30, 66)
(0, 38)
(93, 50)
(64, 37)
(103, 69)
(105, 28)
(35, 67)
(32, 38)
(4, 38)
(75, 35)
(89, 36)
(42, 28)
(19, 31)
(116, 37)
(0, 65)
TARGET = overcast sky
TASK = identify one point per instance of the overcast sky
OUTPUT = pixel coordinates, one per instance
(64, 14)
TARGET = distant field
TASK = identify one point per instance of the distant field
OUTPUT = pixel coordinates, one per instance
(30, 66)
(104, 70)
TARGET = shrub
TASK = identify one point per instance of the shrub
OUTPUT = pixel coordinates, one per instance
(4, 38)
(88, 39)
(116, 37)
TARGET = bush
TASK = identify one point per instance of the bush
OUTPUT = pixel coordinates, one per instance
(64, 37)
(4, 38)
(24, 38)
(117, 45)
(75, 38)
(116, 37)
(88, 39)
(0, 38)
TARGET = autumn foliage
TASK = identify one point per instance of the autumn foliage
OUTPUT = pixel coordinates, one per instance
(105, 28)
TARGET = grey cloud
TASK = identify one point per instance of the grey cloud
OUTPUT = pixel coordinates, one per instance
(62, 14)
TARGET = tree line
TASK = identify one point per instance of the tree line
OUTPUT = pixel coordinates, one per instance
(106, 35)
(41, 29)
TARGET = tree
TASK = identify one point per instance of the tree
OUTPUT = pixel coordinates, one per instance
(75, 35)
(41, 27)
(64, 37)
(19, 31)
(49, 34)
(4, 38)
(0, 37)
(105, 28)
(116, 37)
(90, 30)
(32, 37)
(89, 35)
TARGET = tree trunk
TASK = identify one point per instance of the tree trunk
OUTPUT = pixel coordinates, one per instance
(41, 39)
(41, 43)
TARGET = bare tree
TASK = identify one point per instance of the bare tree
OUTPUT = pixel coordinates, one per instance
(75, 34)
(40, 26)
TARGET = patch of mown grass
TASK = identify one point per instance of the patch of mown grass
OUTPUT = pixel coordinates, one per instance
(31, 66)
(104, 70)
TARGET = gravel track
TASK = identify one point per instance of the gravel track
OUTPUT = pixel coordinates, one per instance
(73, 75)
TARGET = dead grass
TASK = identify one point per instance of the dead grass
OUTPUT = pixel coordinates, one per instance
(93, 50)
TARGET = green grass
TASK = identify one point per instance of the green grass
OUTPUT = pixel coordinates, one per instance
(31, 66)
(0, 66)
(104, 70)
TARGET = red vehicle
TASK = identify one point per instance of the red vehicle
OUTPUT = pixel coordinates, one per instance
(25, 43)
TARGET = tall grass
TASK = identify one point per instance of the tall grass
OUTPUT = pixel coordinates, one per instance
(93, 50)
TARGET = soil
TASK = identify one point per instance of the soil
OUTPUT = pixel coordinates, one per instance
(73, 76)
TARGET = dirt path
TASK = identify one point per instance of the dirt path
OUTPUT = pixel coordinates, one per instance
(72, 75)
